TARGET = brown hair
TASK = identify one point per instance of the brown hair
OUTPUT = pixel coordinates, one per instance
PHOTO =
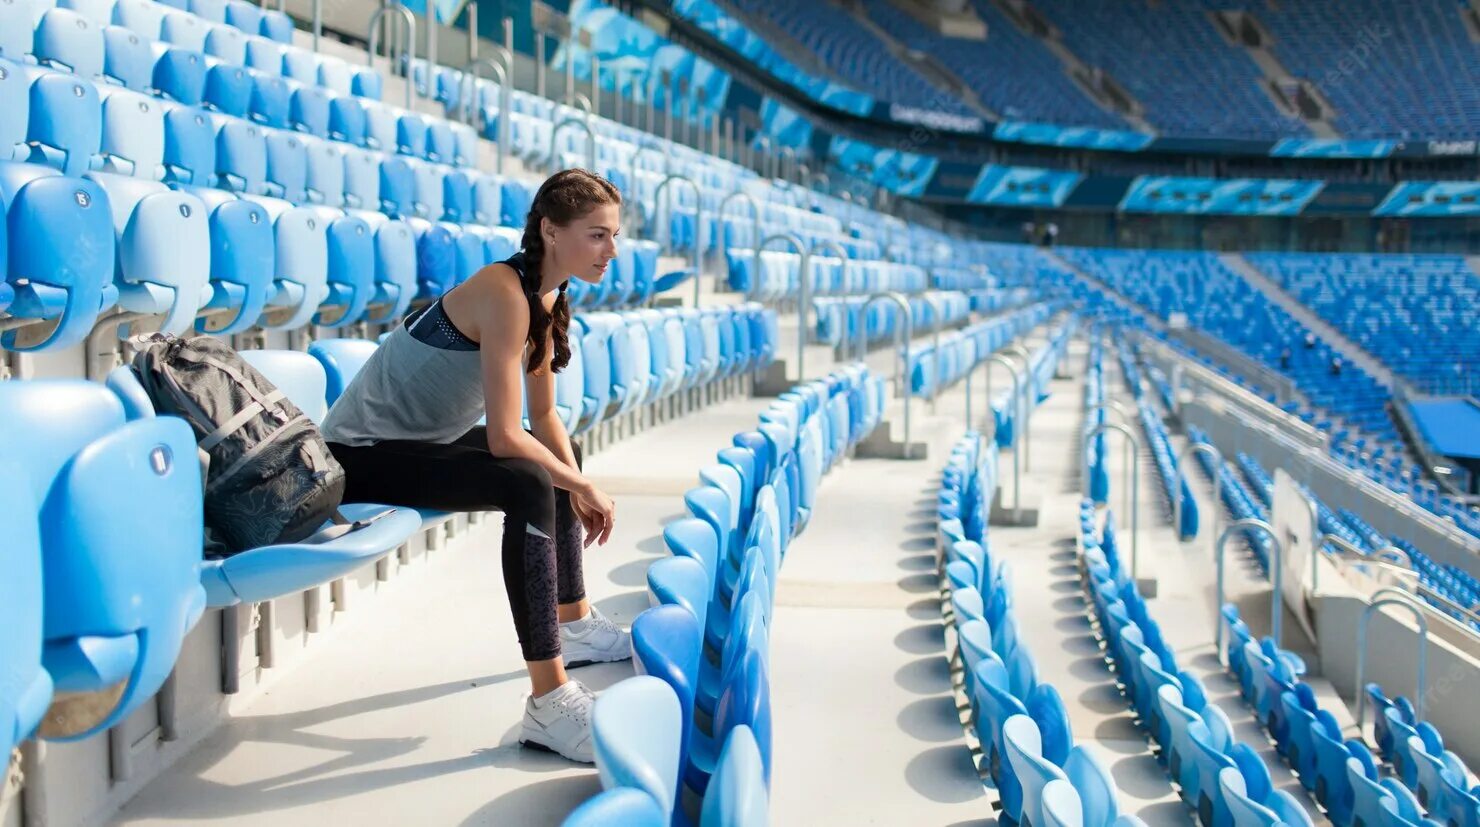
(564, 197)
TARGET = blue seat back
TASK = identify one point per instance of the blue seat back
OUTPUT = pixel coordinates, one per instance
(668, 643)
(624, 805)
(66, 121)
(737, 794)
(25, 687)
(121, 526)
(61, 253)
(636, 733)
(243, 259)
(681, 581)
(298, 375)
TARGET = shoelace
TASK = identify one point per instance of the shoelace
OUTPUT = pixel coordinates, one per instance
(604, 623)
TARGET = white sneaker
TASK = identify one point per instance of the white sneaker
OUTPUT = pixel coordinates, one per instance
(593, 639)
(560, 722)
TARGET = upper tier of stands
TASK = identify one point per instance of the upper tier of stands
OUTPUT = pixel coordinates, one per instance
(1390, 70)
(1172, 60)
(1014, 74)
(1415, 313)
(851, 51)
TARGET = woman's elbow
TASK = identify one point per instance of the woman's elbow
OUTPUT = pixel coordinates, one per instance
(504, 441)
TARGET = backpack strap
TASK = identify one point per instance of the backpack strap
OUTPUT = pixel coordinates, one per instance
(342, 525)
(241, 418)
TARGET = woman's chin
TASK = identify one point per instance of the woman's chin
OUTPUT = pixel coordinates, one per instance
(592, 276)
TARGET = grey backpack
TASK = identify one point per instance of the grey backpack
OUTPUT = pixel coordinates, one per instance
(270, 477)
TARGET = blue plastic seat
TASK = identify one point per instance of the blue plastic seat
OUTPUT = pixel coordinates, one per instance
(241, 156)
(324, 178)
(625, 806)
(227, 44)
(143, 17)
(189, 146)
(244, 16)
(278, 26)
(25, 687)
(272, 99)
(69, 41)
(17, 31)
(309, 110)
(636, 734)
(1024, 748)
(995, 704)
(351, 269)
(737, 795)
(667, 643)
(65, 124)
(164, 250)
(286, 175)
(185, 31)
(301, 264)
(120, 517)
(228, 89)
(347, 120)
(746, 700)
(243, 265)
(127, 59)
(132, 138)
(342, 360)
(61, 254)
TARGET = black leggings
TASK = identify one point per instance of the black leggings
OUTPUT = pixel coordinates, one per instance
(542, 536)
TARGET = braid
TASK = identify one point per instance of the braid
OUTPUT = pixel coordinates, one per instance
(564, 197)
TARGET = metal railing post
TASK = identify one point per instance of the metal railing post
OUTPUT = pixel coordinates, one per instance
(1392, 597)
(1200, 448)
(585, 125)
(1135, 473)
(1017, 382)
(407, 50)
(698, 226)
(804, 290)
(468, 102)
(902, 336)
(1218, 549)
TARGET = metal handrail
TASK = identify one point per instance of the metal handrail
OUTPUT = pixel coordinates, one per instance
(842, 254)
(573, 98)
(408, 48)
(585, 125)
(1389, 596)
(902, 336)
(1179, 476)
(1135, 473)
(1025, 406)
(1275, 574)
(468, 103)
(698, 225)
(1017, 384)
(804, 289)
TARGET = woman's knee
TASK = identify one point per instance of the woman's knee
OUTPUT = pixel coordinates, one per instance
(529, 490)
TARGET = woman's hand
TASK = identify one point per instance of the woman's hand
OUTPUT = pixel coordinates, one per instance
(597, 513)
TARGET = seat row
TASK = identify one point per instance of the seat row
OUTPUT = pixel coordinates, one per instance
(1027, 748)
(962, 351)
(840, 321)
(776, 275)
(121, 599)
(1174, 486)
(1222, 779)
(693, 731)
(1422, 782)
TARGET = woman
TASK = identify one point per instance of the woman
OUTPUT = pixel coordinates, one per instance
(406, 432)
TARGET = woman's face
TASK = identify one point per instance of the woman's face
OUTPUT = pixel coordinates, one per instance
(586, 246)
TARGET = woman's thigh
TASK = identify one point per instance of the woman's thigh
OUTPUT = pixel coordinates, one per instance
(446, 477)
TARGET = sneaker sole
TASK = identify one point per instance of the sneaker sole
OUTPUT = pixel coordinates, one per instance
(578, 662)
(530, 743)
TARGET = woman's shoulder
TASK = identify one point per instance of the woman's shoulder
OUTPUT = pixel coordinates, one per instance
(494, 292)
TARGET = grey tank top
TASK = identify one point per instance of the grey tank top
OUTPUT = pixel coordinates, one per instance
(410, 390)
(423, 384)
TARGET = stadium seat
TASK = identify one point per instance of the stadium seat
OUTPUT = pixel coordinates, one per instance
(25, 687)
(636, 734)
(62, 254)
(624, 805)
(164, 250)
(301, 263)
(121, 521)
(737, 795)
(243, 265)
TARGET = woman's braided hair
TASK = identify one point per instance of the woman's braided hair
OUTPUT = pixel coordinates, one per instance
(564, 197)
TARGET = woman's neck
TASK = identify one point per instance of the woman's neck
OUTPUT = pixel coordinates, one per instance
(550, 276)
